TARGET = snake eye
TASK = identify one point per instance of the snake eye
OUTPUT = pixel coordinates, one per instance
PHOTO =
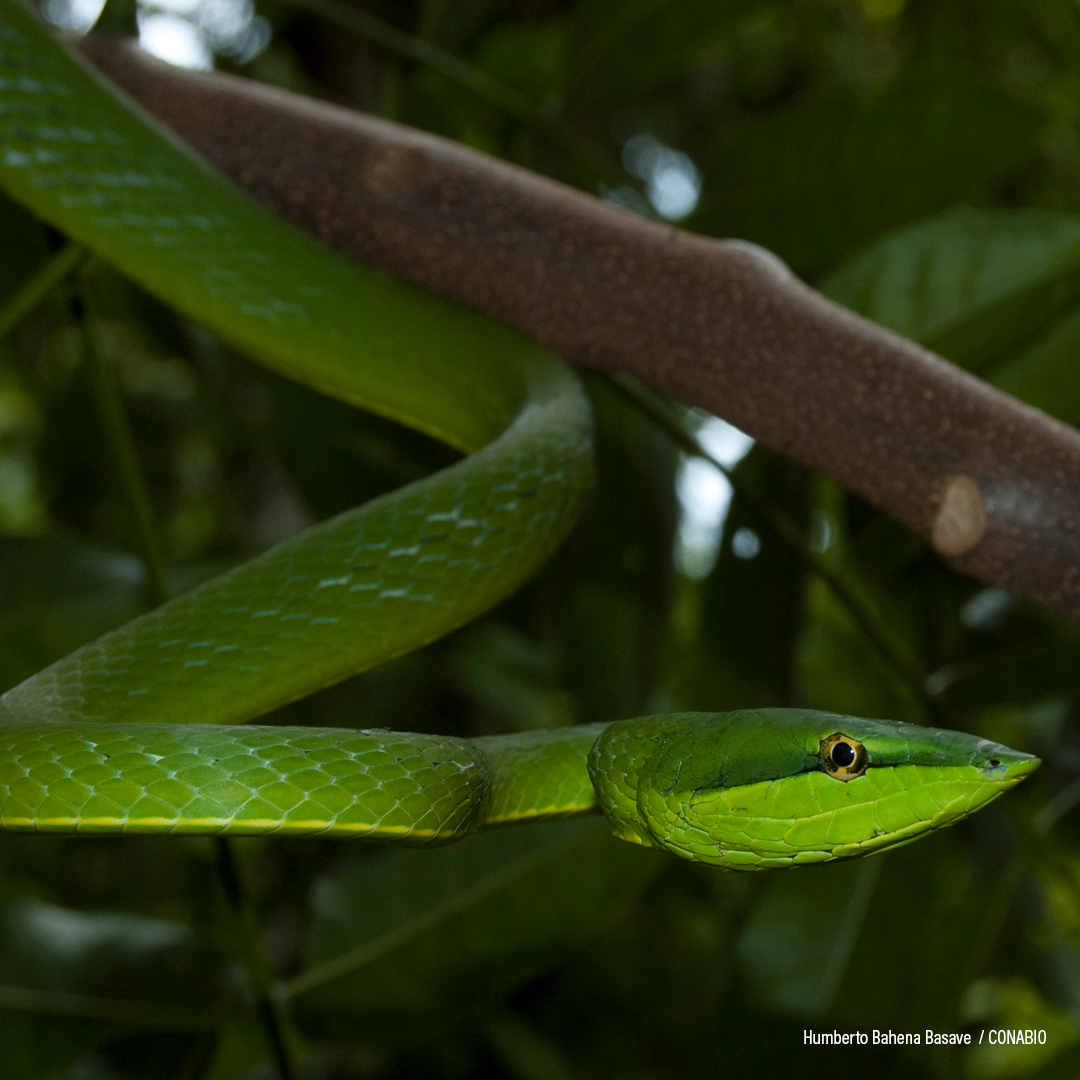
(842, 757)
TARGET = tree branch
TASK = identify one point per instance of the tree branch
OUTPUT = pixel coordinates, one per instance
(989, 481)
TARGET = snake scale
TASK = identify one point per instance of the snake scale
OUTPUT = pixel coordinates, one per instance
(143, 730)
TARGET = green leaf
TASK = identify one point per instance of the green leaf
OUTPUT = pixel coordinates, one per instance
(23, 248)
(609, 593)
(827, 176)
(1014, 1004)
(529, 58)
(118, 967)
(408, 932)
(1046, 374)
(804, 933)
(70, 980)
(631, 49)
(970, 284)
(1028, 669)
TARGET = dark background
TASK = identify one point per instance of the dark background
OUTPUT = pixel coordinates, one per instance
(920, 162)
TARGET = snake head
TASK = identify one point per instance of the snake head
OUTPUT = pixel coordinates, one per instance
(767, 788)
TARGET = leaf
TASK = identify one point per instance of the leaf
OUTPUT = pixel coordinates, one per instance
(839, 667)
(529, 58)
(70, 980)
(23, 248)
(56, 594)
(512, 678)
(631, 49)
(804, 933)
(126, 969)
(1046, 374)
(1031, 669)
(455, 928)
(823, 178)
(970, 284)
(357, 456)
(1014, 1004)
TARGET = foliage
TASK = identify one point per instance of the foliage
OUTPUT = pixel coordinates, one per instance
(919, 161)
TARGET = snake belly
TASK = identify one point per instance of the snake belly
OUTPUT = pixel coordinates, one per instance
(141, 731)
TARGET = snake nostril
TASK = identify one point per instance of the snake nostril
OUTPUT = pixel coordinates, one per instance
(994, 763)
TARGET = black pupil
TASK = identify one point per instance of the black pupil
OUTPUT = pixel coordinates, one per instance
(842, 754)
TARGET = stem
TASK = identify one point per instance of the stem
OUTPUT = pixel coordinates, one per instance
(112, 1010)
(118, 18)
(848, 936)
(661, 413)
(998, 904)
(37, 286)
(122, 448)
(271, 1012)
(397, 937)
(1056, 808)
(523, 1050)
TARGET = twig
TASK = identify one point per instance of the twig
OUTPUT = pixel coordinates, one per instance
(1064, 801)
(719, 324)
(271, 1011)
(848, 932)
(113, 1010)
(395, 938)
(121, 443)
(38, 285)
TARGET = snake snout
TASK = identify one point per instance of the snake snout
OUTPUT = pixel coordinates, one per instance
(1002, 765)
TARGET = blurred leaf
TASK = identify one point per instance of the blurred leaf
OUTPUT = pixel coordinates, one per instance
(69, 980)
(57, 594)
(1062, 1067)
(969, 283)
(1047, 375)
(457, 928)
(513, 678)
(23, 248)
(838, 667)
(1027, 670)
(1014, 1005)
(629, 50)
(357, 456)
(241, 1048)
(529, 58)
(122, 968)
(804, 933)
(827, 176)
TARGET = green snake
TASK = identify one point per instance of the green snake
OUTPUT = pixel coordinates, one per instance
(142, 730)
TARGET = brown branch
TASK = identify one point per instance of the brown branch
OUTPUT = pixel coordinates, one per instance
(990, 482)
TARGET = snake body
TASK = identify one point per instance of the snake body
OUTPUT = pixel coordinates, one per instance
(743, 790)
